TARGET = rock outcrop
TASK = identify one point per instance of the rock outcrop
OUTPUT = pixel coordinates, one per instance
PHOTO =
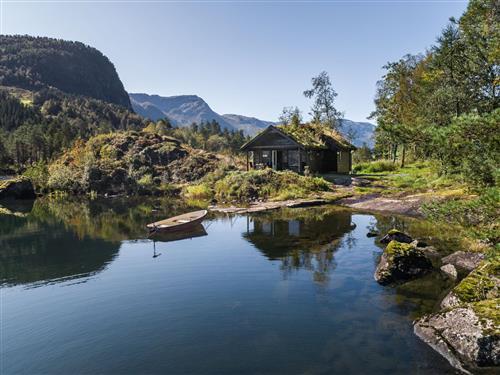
(400, 262)
(467, 336)
(482, 283)
(17, 188)
(467, 329)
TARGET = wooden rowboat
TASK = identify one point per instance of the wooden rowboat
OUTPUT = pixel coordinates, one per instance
(180, 222)
(168, 236)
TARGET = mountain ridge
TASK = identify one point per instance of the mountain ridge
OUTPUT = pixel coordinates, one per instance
(183, 110)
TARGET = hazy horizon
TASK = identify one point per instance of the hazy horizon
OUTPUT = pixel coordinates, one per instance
(250, 58)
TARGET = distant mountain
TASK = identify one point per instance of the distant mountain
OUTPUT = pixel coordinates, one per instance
(362, 132)
(36, 63)
(249, 125)
(183, 110)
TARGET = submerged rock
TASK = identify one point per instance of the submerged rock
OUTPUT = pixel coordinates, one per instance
(467, 336)
(372, 233)
(396, 235)
(17, 188)
(400, 262)
(466, 261)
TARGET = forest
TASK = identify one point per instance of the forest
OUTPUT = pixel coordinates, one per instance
(34, 63)
(443, 104)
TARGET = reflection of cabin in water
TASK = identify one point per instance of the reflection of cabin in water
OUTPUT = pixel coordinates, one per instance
(277, 237)
(317, 147)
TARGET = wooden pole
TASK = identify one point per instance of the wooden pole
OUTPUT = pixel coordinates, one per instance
(247, 163)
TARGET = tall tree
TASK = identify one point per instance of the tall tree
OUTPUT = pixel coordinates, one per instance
(323, 110)
(291, 116)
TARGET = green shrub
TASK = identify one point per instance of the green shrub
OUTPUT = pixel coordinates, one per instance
(146, 181)
(38, 174)
(201, 191)
(266, 184)
(478, 215)
(375, 167)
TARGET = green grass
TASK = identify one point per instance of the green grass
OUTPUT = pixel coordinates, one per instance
(375, 167)
(198, 192)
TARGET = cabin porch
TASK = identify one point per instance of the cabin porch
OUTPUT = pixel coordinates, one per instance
(296, 159)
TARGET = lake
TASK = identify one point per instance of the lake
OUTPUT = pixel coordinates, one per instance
(84, 290)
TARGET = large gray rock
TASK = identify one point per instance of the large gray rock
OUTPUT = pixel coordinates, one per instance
(17, 188)
(466, 261)
(401, 262)
(468, 336)
(396, 235)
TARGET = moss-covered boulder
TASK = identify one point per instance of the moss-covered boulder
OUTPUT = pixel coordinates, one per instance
(400, 262)
(396, 235)
(481, 284)
(17, 188)
(468, 336)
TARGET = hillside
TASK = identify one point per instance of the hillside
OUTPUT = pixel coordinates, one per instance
(35, 63)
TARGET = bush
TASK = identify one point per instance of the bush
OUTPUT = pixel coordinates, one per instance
(201, 191)
(479, 215)
(265, 184)
(470, 146)
(38, 174)
(375, 167)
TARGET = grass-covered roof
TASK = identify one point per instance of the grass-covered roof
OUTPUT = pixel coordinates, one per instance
(315, 136)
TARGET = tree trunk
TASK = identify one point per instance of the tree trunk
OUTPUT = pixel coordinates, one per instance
(403, 156)
(394, 152)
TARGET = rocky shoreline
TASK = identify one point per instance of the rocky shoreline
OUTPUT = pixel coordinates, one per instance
(466, 329)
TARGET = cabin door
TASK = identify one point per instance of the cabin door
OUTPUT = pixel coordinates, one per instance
(274, 159)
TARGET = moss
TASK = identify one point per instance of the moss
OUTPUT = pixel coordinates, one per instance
(481, 284)
(489, 310)
(394, 231)
(395, 248)
(315, 136)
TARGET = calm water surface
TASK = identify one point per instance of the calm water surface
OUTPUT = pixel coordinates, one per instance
(83, 290)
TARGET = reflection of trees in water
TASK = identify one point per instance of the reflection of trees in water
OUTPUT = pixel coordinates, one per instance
(61, 239)
(116, 219)
(39, 252)
(301, 239)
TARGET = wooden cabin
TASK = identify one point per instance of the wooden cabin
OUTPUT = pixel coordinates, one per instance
(317, 147)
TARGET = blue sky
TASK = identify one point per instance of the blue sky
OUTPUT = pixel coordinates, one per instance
(251, 58)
